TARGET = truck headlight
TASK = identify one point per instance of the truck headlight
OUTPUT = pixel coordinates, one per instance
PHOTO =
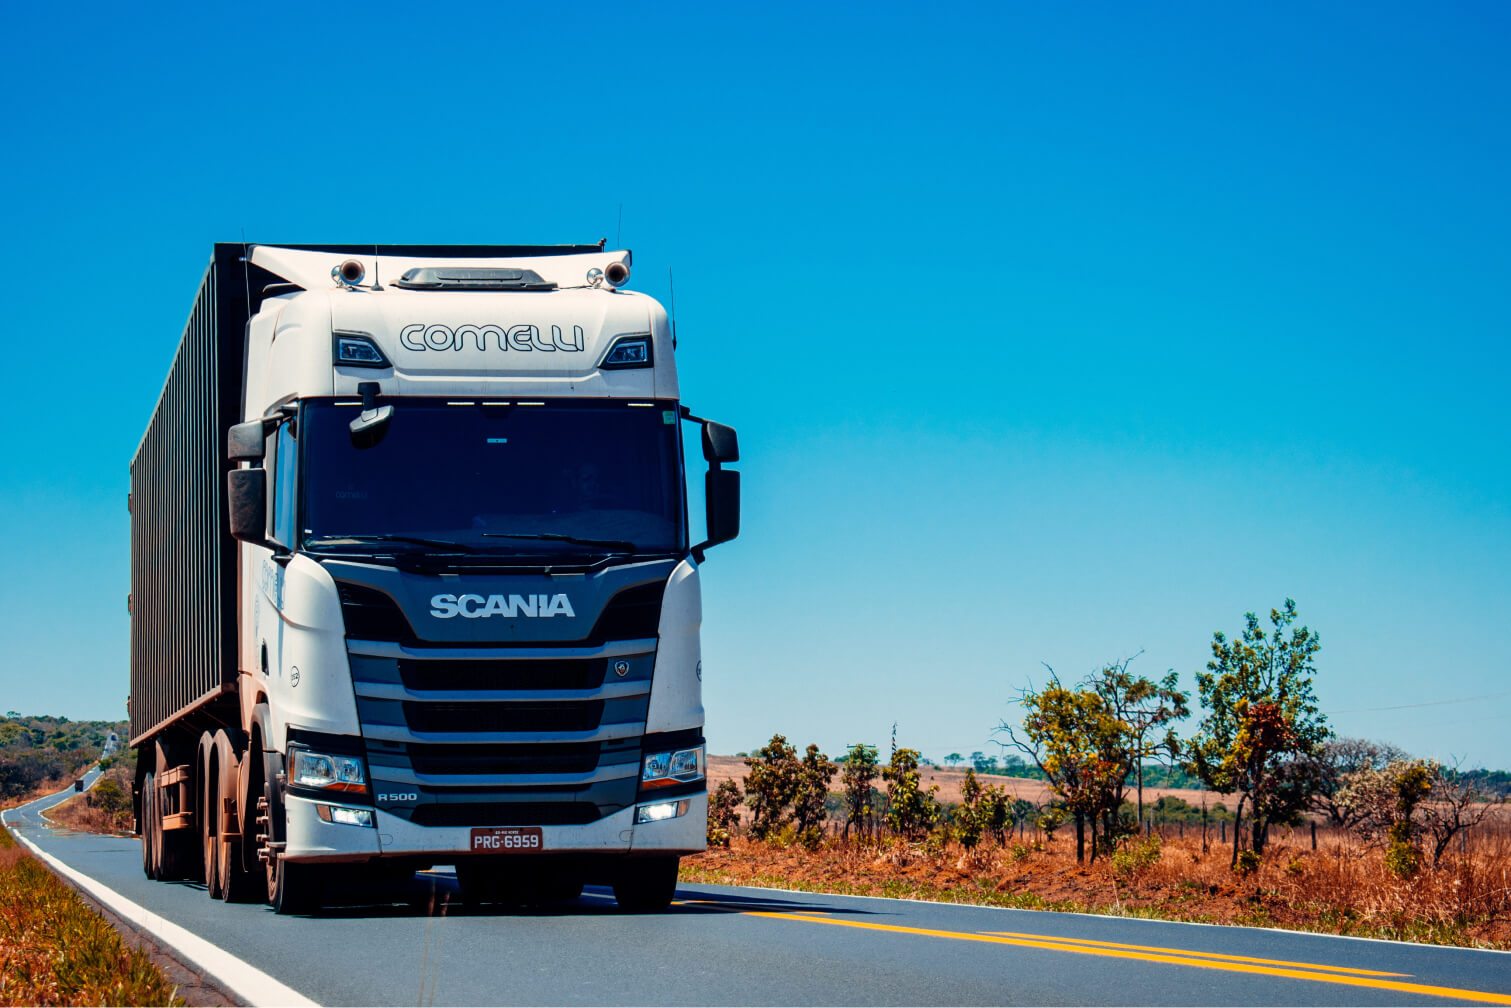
(345, 816)
(667, 768)
(319, 770)
(661, 812)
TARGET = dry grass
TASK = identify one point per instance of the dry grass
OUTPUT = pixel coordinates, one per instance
(80, 811)
(1340, 888)
(54, 950)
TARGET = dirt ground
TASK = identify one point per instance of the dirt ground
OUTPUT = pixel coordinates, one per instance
(722, 768)
(1338, 886)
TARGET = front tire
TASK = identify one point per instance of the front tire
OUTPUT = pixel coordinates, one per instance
(294, 888)
(646, 885)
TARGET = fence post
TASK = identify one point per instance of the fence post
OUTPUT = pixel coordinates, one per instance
(1314, 834)
(1222, 825)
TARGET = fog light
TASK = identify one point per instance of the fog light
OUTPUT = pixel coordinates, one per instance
(660, 812)
(345, 816)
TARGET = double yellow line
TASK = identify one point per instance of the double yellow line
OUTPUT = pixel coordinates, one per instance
(1179, 957)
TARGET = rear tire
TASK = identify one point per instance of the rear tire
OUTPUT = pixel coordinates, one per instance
(646, 885)
(209, 820)
(148, 819)
(236, 885)
(177, 850)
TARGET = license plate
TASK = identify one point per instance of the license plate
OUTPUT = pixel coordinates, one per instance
(507, 840)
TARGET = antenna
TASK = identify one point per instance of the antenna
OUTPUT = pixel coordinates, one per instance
(671, 283)
(246, 277)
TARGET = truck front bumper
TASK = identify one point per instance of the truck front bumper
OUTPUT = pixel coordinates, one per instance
(310, 838)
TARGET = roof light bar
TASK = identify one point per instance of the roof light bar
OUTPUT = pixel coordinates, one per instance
(628, 352)
(357, 350)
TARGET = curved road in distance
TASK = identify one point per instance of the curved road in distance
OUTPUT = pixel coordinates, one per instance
(724, 945)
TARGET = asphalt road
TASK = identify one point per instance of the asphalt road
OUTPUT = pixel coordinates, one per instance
(722, 945)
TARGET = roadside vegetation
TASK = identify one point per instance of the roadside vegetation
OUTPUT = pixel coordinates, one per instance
(37, 751)
(104, 808)
(1313, 832)
(57, 951)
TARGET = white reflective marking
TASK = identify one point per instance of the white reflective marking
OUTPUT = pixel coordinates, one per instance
(237, 976)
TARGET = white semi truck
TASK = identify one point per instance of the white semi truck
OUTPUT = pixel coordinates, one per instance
(412, 581)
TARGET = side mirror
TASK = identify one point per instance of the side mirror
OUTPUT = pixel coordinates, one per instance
(721, 497)
(720, 443)
(247, 500)
(369, 426)
(244, 442)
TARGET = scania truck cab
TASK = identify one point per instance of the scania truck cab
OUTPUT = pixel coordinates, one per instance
(454, 578)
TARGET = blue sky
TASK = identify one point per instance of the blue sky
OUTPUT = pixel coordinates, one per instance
(1053, 333)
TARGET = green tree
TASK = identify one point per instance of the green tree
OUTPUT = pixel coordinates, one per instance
(770, 787)
(911, 811)
(814, 774)
(1146, 710)
(1073, 737)
(860, 795)
(1261, 713)
(953, 760)
(974, 816)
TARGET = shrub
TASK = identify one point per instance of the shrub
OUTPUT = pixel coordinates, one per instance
(1136, 857)
(812, 788)
(723, 813)
(860, 796)
(911, 811)
(771, 786)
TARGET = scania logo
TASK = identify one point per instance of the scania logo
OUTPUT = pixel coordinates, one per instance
(478, 606)
(420, 336)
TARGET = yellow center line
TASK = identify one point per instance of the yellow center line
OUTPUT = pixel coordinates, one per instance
(1203, 955)
(1057, 945)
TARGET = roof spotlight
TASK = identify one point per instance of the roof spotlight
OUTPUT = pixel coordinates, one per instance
(349, 273)
(616, 274)
(595, 277)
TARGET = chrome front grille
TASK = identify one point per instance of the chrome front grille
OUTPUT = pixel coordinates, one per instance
(503, 735)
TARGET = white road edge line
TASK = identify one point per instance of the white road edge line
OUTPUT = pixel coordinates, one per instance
(240, 978)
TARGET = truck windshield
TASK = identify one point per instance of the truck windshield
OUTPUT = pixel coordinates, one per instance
(559, 477)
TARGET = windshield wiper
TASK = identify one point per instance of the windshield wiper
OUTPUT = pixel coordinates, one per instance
(331, 540)
(617, 544)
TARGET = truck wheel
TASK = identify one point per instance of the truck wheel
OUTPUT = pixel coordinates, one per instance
(148, 816)
(295, 887)
(563, 889)
(177, 850)
(646, 885)
(236, 884)
(209, 821)
(291, 888)
(480, 883)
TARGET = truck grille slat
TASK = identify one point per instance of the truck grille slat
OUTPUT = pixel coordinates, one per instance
(503, 717)
(493, 734)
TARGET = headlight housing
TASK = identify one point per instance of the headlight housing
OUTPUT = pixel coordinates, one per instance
(326, 771)
(664, 769)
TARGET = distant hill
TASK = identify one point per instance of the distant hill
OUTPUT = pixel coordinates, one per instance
(37, 748)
